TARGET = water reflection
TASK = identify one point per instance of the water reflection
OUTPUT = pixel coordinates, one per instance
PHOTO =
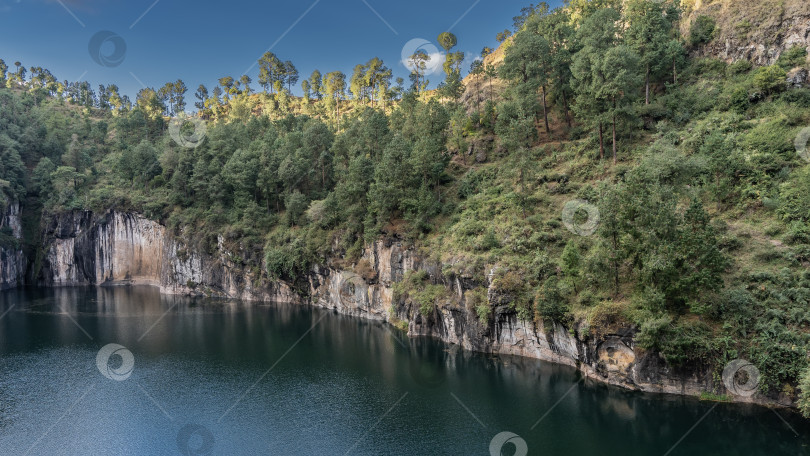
(283, 379)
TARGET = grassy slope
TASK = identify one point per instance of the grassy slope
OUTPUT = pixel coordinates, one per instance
(489, 228)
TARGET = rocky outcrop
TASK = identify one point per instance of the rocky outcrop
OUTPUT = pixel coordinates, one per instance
(612, 358)
(755, 30)
(124, 248)
(12, 258)
(798, 77)
(116, 248)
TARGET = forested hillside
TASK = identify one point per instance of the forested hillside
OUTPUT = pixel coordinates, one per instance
(600, 170)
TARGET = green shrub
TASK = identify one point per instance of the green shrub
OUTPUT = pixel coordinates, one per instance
(417, 287)
(739, 100)
(797, 97)
(7, 239)
(571, 263)
(652, 331)
(798, 232)
(551, 303)
(512, 286)
(687, 342)
(778, 353)
(735, 304)
(490, 241)
(286, 257)
(473, 181)
(296, 204)
(793, 57)
(478, 302)
(654, 111)
(739, 67)
(427, 298)
(794, 196)
(770, 146)
(804, 392)
(770, 79)
(702, 31)
(707, 67)
(515, 126)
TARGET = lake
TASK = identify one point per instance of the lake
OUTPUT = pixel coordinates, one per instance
(126, 371)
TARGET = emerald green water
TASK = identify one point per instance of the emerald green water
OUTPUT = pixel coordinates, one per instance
(229, 378)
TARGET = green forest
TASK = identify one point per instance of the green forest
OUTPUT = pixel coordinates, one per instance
(693, 166)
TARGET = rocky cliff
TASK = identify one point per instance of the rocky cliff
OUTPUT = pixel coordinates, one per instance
(118, 248)
(755, 30)
(12, 259)
(612, 358)
(83, 248)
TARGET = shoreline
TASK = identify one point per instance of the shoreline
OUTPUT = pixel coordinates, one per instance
(583, 369)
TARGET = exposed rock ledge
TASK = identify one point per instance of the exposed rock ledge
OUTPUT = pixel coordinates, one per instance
(12, 259)
(83, 248)
(127, 248)
(755, 30)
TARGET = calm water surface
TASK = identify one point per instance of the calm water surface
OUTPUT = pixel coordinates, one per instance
(227, 378)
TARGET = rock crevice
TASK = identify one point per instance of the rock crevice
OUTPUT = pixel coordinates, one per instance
(12, 258)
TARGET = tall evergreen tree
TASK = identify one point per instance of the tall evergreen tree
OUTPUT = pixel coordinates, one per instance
(315, 84)
(528, 62)
(201, 95)
(290, 74)
(599, 33)
(179, 90)
(418, 66)
(270, 71)
(334, 86)
(649, 34)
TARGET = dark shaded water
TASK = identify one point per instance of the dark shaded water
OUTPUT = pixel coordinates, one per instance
(226, 378)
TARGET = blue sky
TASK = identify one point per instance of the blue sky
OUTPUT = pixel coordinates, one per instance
(202, 40)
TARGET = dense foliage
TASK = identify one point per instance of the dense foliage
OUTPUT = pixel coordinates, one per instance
(703, 243)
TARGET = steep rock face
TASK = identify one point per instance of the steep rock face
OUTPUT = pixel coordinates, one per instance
(349, 293)
(85, 249)
(12, 259)
(116, 248)
(755, 30)
(611, 358)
